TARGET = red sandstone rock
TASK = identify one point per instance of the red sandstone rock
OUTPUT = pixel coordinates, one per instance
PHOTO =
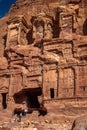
(3, 63)
(43, 52)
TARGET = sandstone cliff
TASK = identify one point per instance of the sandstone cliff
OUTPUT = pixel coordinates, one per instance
(43, 56)
(33, 7)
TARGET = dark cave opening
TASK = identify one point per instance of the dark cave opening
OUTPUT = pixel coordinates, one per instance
(29, 95)
(4, 103)
(33, 101)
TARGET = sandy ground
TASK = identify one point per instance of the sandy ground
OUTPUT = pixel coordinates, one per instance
(60, 116)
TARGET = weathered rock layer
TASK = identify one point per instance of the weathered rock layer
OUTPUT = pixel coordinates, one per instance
(43, 52)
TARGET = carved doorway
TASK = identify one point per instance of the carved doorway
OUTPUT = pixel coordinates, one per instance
(33, 101)
(33, 97)
(4, 102)
(52, 94)
(50, 81)
(30, 95)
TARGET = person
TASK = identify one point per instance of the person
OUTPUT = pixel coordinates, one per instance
(20, 116)
(25, 112)
(24, 108)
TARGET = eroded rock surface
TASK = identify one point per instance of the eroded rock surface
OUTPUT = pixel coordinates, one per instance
(43, 55)
(80, 123)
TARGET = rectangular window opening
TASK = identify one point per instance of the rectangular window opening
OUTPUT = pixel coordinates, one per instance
(51, 93)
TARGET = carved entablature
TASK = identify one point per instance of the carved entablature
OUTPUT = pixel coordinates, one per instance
(74, 1)
(42, 26)
(17, 30)
(80, 48)
(81, 53)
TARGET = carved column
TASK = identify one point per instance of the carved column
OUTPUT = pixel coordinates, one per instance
(48, 32)
(19, 33)
(1, 107)
(8, 36)
(42, 27)
(34, 32)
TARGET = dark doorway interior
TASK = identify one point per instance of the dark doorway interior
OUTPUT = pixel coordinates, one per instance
(33, 101)
(52, 92)
(4, 103)
(30, 95)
